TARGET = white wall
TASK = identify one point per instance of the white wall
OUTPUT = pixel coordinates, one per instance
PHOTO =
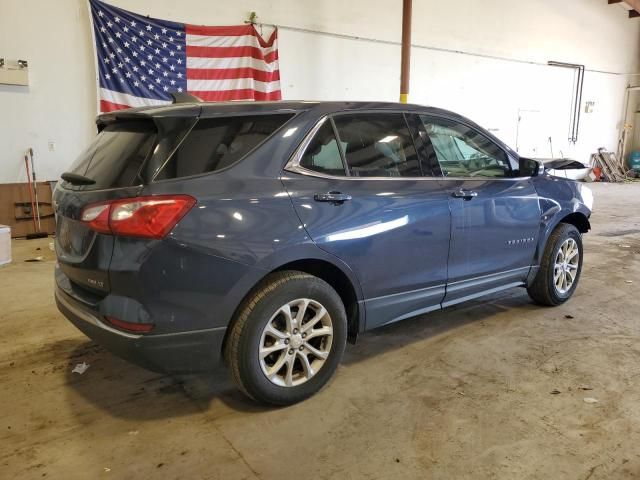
(60, 104)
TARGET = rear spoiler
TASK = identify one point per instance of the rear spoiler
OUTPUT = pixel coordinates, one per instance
(183, 105)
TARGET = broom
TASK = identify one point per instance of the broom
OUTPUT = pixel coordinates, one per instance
(34, 205)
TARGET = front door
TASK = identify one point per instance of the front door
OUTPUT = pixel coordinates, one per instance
(495, 216)
(363, 195)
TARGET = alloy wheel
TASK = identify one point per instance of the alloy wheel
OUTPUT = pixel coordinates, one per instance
(566, 266)
(296, 342)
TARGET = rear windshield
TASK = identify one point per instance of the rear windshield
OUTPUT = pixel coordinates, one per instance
(131, 153)
(216, 143)
(116, 156)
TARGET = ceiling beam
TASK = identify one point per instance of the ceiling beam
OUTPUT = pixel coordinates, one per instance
(633, 5)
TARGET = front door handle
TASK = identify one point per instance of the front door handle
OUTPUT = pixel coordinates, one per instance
(336, 198)
(466, 194)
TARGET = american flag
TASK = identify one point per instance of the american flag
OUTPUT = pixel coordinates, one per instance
(142, 60)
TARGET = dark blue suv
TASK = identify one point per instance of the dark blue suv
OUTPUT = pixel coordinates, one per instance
(269, 234)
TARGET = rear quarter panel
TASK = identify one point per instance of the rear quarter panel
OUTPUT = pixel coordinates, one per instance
(241, 228)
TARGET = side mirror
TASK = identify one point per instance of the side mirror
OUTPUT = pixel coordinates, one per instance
(530, 167)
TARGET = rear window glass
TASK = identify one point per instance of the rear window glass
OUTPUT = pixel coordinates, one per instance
(216, 143)
(115, 157)
(378, 145)
(323, 153)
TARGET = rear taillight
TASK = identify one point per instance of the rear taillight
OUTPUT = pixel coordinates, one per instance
(146, 217)
(130, 327)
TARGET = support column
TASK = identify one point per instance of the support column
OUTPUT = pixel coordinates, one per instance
(406, 51)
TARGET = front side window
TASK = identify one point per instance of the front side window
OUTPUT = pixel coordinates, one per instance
(377, 145)
(465, 152)
(323, 154)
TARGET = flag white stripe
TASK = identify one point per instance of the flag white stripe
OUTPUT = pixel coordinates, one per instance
(231, 62)
(131, 100)
(240, 41)
(232, 84)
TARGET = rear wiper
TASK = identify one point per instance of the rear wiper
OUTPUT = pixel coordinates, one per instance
(76, 179)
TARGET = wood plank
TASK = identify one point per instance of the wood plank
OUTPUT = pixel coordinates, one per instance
(12, 193)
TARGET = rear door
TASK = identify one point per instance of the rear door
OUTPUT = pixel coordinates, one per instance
(362, 193)
(495, 215)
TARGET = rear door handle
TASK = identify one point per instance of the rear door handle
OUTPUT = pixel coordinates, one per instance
(466, 194)
(336, 198)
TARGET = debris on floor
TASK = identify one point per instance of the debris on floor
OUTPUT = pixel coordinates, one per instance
(612, 169)
(568, 316)
(555, 391)
(39, 258)
(590, 400)
(80, 368)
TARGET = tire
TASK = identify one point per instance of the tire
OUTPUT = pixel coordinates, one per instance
(544, 288)
(262, 323)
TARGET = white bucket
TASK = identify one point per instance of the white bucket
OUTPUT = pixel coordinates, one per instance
(5, 245)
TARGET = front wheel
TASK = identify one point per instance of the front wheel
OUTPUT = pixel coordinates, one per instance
(287, 339)
(560, 267)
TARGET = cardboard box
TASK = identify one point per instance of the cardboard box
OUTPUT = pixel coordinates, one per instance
(5, 245)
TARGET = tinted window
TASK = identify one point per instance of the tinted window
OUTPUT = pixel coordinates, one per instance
(323, 154)
(378, 145)
(116, 156)
(465, 152)
(216, 143)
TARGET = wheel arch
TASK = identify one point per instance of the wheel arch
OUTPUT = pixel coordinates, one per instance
(340, 282)
(345, 284)
(578, 220)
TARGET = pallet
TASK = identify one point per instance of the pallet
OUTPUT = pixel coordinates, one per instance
(612, 169)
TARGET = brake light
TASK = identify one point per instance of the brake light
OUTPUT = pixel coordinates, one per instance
(130, 327)
(145, 217)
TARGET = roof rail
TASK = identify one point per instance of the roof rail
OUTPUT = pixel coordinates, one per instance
(184, 97)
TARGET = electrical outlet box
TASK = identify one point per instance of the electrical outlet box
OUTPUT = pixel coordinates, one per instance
(14, 72)
(589, 107)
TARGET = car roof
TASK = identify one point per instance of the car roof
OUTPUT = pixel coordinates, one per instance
(316, 109)
(212, 109)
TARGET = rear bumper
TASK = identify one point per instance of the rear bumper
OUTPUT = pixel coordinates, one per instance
(182, 352)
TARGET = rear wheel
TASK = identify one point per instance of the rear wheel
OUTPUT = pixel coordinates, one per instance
(560, 267)
(287, 339)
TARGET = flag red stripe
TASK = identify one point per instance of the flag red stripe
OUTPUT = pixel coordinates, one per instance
(242, 94)
(231, 73)
(106, 106)
(230, 52)
(233, 31)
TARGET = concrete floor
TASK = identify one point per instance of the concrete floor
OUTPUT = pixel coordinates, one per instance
(462, 393)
